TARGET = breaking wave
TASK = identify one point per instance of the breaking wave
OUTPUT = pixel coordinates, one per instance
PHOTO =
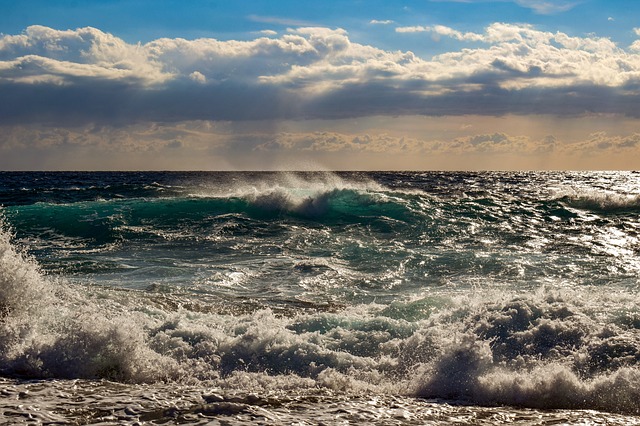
(606, 202)
(107, 221)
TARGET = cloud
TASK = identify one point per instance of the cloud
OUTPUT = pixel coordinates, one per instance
(224, 138)
(542, 7)
(383, 22)
(134, 138)
(547, 7)
(179, 146)
(441, 30)
(413, 29)
(43, 54)
(74, 77)
(198, 77)
(600, 142)
(496, 143)
(635, 46)
(287, 22)
(208, 144)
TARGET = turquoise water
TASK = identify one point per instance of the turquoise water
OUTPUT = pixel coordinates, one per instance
(394, 297)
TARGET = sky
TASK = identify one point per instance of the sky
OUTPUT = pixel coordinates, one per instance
(331, 85)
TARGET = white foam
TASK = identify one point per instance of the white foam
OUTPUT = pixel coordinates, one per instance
(543, 349)
(51, 329)
(599, 199)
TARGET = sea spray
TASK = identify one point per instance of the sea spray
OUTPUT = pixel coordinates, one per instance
(51, 329)
(24, 294)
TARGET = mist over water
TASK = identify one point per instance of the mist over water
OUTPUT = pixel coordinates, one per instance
(378, 297)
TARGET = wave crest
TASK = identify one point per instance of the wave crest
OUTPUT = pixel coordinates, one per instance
(602, 201)
(312, 196)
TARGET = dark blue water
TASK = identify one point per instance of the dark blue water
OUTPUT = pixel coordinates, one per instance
(487, 289)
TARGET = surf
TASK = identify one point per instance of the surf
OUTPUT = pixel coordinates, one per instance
(535, 350)
(310, 285)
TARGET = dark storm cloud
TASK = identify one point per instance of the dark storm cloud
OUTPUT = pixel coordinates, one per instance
(118, 104)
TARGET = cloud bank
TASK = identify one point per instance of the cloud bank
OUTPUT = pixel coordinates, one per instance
(224, 138)
(76, 77)
(205, 145)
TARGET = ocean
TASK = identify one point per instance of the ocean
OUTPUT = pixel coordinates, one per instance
(320, 298)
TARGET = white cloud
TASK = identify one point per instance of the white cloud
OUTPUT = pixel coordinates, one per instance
(42, 54)
(441, 30)
(198, 77)
(303, 51)
(450, 32)
(547, 7)
(279, 21)
(381, 22)
(543, 7)
(310, 72)
(536, 58)
(635, 46)
(414, 29)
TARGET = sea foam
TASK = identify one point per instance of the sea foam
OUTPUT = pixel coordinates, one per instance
(542, 349)
(51, 329)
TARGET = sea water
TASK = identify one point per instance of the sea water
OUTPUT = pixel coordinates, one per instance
(320, 298)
